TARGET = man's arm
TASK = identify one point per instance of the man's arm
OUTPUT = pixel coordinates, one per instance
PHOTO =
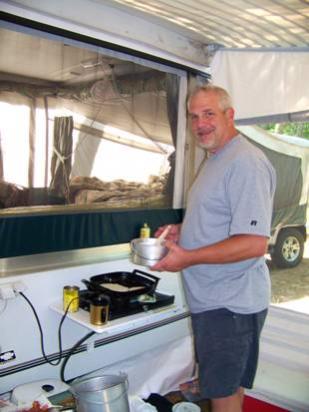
(233, 249)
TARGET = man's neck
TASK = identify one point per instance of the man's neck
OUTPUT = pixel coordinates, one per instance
(230, 136)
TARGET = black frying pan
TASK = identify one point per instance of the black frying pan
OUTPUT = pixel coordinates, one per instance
(145, 282)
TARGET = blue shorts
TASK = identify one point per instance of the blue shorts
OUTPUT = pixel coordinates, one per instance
(227, 349)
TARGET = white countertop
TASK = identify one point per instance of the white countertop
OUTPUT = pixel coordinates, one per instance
(47, 261)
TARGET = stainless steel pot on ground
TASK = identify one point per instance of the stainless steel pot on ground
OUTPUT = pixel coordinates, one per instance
(106, 393)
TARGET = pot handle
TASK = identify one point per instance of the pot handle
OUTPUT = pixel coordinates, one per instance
(87, 283)
(132, 245)
(93, 287)
(145, 274)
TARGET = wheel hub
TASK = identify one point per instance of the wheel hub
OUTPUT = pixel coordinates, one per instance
(291, 249)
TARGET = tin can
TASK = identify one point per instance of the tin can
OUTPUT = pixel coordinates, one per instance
(71, 298)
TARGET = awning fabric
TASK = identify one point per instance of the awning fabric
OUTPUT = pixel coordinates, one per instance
(265, 82)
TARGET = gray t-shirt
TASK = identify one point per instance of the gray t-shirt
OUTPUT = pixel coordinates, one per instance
(233, 194)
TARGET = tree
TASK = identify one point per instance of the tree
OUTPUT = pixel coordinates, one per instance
(299, 129)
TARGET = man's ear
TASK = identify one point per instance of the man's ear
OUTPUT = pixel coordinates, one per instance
(230, 112)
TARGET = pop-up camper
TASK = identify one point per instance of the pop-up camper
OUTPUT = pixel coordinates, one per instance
(290, 157)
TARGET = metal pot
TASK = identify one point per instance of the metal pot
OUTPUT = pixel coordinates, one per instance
(147, 251)
(107, 393)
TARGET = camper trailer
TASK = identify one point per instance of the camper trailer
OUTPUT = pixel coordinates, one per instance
(290, 158)
(94, 144)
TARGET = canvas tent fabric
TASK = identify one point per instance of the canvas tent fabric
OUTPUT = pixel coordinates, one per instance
(264, 83)
(192, 35)
(291, 162)
(62, 151)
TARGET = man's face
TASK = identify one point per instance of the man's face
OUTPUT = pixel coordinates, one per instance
(210, 124)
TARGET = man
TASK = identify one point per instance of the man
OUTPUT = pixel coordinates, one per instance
(220, 248)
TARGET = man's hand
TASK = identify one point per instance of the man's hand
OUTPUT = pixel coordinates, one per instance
(176, 259)
(173, 233)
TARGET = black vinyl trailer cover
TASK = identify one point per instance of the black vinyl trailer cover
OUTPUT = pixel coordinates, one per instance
(290, 158)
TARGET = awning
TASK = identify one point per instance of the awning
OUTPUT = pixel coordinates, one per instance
(264, 82)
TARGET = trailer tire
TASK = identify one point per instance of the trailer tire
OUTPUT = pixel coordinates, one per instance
(289, 249)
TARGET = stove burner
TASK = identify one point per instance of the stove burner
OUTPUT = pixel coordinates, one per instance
(120, 308)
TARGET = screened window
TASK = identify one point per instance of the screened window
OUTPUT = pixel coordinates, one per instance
(83, 126)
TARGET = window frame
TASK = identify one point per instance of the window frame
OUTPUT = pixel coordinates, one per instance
(20, 227)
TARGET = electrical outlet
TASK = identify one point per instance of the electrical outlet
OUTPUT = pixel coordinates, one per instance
(19, 287)
(7, 291)
(11, 290)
